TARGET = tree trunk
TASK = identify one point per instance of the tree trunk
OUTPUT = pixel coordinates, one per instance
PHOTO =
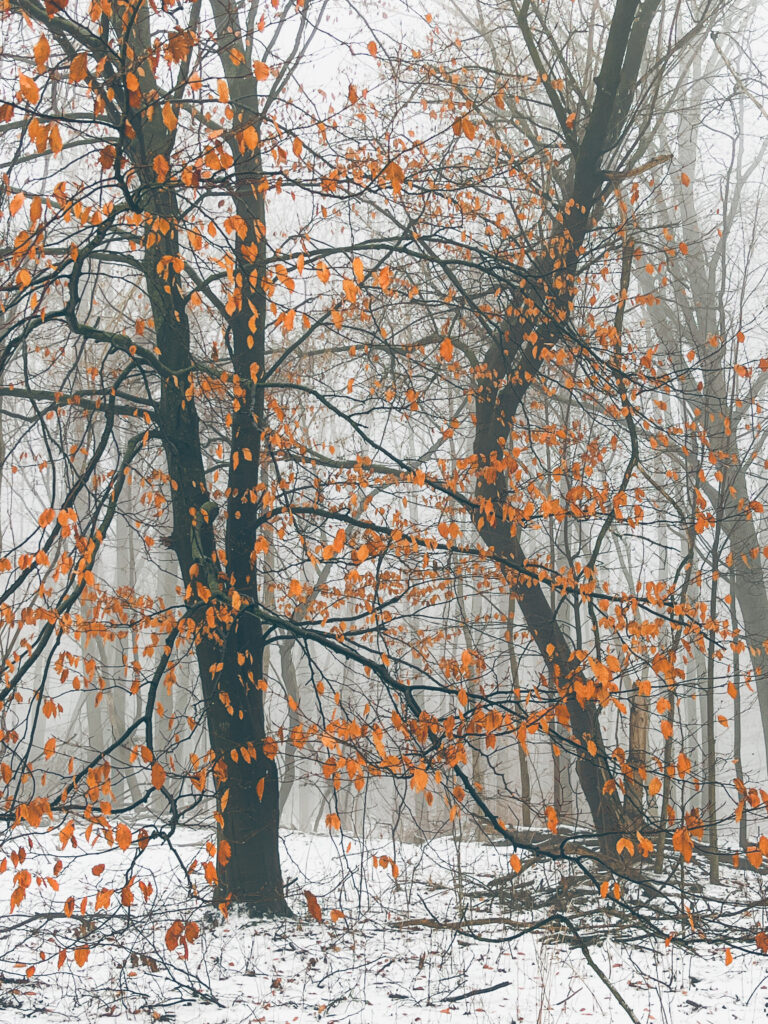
(737, 761)
(229, 651)
(512, 363)
(522, 756)
(637, 755)
(288, 673)
(247, 792)
(711, 815)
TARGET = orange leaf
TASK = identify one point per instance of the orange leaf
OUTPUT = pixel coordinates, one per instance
(646, 846)
(50, 748)
(372, 48)
(682, 842)
(625, 844)
(173, 934)
(54, 139)
(78, 69)
(755, 857)
(260, 71)
(42, 52)
(260, 789)
(28, 88)
(158, 775)
(103, 899)
(552, 819)
(81, 955)
(169, 117)
(446, 349)
(394, 172)
(161, 167)
(313, 906)
(683, 765)
(728, 958)
(685, 179)
(123, 836)
(514, 863)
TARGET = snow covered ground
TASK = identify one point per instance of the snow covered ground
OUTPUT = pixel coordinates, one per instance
(368, 965)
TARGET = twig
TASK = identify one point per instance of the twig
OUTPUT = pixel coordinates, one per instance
(606, 981)
(430, 922)
(477, 992)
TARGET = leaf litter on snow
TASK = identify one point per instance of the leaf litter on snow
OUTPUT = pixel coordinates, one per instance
(383, 932)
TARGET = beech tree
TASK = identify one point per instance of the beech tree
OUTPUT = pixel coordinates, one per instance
(544, 210)
(113, 123)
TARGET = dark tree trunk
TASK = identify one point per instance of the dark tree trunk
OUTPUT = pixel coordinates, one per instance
(221, 593)
(512, 364)
(247, 790)
(229, 651)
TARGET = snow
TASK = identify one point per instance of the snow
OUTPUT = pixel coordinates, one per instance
(368, 966)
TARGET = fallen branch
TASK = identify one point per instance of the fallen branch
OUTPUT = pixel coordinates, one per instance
(478, 992)
(430, 922)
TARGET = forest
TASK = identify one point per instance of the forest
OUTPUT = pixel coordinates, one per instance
(383, 549)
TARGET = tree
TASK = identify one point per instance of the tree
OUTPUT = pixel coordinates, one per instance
(135, 84)
(518, 314)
